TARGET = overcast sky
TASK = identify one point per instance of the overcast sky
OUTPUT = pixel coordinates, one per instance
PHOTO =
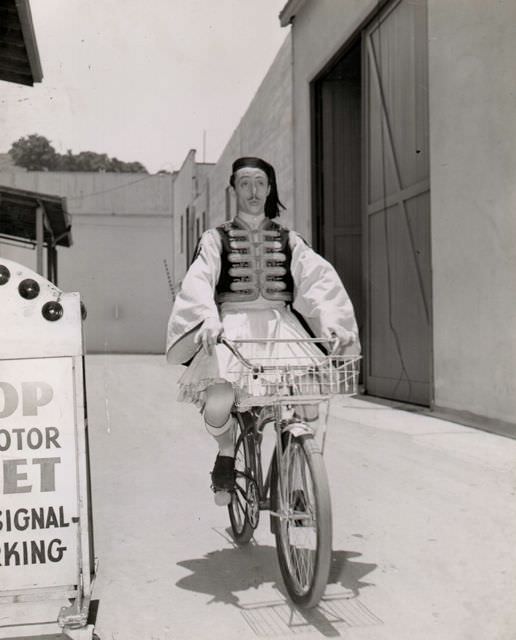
(142, 79)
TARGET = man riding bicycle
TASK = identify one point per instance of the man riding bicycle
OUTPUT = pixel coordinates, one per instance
(251, 278)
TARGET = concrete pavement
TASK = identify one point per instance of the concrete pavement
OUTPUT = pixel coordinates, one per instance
(424, 524)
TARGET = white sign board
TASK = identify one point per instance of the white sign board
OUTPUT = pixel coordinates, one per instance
(46, 539)
(39, 505)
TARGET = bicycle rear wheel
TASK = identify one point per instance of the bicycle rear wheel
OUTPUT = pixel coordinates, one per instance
(303, 529)
(244, 508)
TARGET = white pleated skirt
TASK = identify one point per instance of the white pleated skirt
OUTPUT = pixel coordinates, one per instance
(261, 319)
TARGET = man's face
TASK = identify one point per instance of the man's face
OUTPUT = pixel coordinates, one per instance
(251, 188)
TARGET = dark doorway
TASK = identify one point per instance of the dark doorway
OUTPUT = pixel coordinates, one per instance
(337, 211)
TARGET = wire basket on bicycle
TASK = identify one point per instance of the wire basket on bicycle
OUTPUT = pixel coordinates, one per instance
(294, 379)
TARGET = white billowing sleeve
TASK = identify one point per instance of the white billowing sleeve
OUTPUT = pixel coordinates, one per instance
(319, 295)
(195, 301)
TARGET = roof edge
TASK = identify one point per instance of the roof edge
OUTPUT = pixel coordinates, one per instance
(29, 38)
(289, 11)
(34, 195)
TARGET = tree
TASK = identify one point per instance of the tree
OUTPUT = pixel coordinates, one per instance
(35, 153)
(84, 161)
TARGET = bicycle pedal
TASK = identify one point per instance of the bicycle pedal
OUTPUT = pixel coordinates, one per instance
(222, 498)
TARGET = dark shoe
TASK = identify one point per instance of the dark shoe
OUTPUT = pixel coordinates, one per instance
(223, 474)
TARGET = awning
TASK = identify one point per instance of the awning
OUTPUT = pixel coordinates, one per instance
(19, 57)
(18, 217)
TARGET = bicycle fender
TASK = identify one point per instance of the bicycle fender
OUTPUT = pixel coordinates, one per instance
(298, 429)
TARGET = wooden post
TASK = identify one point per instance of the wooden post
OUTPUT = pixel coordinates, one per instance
(50, 274)
(40, 212)
(54, 265)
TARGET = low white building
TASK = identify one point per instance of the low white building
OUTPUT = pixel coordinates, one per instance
(121, 258)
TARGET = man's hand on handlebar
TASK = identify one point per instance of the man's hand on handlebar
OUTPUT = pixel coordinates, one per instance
(338, 338)
(209, 334)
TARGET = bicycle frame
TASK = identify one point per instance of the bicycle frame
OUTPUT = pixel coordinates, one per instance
(272, 407)
(295, 489)
(281, 426)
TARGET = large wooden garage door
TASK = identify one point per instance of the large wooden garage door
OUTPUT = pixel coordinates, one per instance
(397, 204)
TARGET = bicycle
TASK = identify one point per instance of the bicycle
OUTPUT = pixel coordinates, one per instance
(295, 488)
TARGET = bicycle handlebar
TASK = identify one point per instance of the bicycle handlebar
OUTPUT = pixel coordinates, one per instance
(231, 345)
(236, 352)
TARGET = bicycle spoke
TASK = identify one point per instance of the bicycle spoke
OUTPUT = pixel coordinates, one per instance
(242, 503)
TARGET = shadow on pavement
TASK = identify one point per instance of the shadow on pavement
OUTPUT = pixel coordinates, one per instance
(226, 573)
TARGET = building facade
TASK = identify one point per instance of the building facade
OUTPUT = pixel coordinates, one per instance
(404, 162)
(120, 261)
(391, 126)
(191, 196)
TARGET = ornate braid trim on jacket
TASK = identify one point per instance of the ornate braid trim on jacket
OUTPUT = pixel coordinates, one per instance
(254, 263)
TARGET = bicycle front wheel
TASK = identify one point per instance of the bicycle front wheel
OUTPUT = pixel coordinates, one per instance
(304, 522)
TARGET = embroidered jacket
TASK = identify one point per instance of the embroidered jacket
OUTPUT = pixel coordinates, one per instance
(254, 263)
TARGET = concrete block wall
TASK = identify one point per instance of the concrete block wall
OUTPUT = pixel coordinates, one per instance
(265, 131)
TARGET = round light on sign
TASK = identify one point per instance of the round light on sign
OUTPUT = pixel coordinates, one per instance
(52, 311)
(5, 274)
(28, 289)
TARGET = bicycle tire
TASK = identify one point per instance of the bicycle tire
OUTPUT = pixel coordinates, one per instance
(243, 508)
(304, 556)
